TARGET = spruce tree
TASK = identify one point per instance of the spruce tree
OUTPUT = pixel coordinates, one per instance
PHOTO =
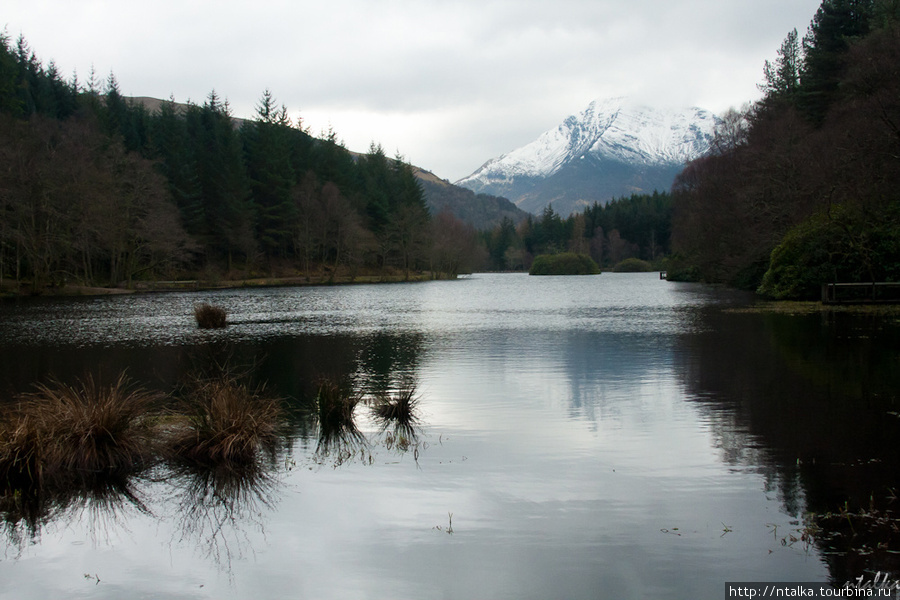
(835, 24)
(268, 159)
(176, 161)
(10, 101)
(783, 76)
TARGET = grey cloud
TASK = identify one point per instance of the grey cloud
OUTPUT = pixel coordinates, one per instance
(502, 71)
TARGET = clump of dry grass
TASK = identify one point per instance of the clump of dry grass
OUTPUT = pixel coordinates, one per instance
(335, 406)
(210, 316)
(398, 408)
(228, 422)
(20, 448)
(62, 430)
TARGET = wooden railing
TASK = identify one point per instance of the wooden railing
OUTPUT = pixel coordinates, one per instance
(879, 292)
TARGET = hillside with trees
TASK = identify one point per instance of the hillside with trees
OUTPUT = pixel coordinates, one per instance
(801, 188)
(100, 190)
(635, 227)
(482, 211)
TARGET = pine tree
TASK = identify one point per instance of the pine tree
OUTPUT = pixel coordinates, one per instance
(836, 23)
(783, 76)
(225, 190)
(170, 146)
(10, 101)
(267, 153)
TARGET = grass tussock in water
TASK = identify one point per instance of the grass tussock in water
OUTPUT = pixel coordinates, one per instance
(210, 316)
(335, 406)
(398, 408)
(62, 430)
(227, 422)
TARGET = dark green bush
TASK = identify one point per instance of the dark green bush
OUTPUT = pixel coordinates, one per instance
(633, 265)
(842, 247)
(567, 263)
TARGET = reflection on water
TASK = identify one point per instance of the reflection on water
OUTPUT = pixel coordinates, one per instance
(614, 436)
(817, 411)
(100, 503)
(218, 505)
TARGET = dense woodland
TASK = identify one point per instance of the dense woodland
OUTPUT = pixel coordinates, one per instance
(635, 227)
(801, 188)
(95, 189)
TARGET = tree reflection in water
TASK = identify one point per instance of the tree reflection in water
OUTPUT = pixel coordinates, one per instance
(810, 401)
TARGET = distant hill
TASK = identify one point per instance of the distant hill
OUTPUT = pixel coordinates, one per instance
(482, 211)
(612, 149)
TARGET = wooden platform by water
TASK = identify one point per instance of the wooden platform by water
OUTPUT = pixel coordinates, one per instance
(876, 292)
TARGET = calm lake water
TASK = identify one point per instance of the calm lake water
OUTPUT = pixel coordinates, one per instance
(613, 436)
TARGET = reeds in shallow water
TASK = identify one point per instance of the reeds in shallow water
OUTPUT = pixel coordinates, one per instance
(63, 430)
(210, 316)
(398, 408)
(228, 422)
(335, 406)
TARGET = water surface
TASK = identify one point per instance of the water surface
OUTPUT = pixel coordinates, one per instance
(611, 436)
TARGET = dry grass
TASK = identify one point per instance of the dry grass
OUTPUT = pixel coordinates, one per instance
(209, 316)
(335, 407)
(398, 408)
(62, 430)
(227, 422)
(801, 307)
(20, 448)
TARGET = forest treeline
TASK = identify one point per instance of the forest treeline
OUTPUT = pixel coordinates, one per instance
(801, 188)
(638, 226)
(96, 189)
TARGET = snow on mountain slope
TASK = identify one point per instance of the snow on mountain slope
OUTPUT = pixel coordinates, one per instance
(608, 131)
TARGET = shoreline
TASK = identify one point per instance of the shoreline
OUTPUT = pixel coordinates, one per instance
(810, 307)
(199, 285)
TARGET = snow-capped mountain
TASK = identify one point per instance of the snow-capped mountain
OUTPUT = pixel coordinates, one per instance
(613, 148)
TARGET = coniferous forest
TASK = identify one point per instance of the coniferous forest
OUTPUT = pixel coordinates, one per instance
(636, 227)
(96, 189)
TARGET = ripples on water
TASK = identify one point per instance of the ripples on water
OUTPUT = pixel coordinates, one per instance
(614, 436)
(480, 302)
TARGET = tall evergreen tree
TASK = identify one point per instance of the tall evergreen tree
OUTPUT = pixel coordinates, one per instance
(226, 199)
(267, 152)
(376, 175)
(835, 24)
(783, 76)
(176, 160)
(10, 101)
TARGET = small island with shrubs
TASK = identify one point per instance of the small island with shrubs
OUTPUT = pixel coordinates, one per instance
(566, 263)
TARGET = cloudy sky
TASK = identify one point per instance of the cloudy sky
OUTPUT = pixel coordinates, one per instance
(448, 84)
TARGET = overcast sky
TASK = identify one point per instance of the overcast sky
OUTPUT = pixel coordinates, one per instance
(448, 84)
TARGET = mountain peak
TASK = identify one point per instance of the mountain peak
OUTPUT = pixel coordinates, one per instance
(634, 147)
